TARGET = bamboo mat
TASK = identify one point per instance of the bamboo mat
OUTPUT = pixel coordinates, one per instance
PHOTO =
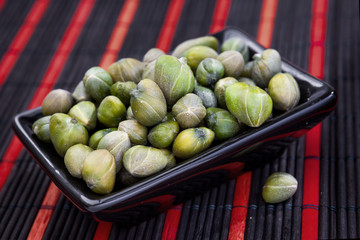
(47, 44)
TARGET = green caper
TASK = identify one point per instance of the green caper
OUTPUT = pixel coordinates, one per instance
(99, 171)
(191, 141)
(279, 187)
(41, 129)
(57, 101)
(111, 111)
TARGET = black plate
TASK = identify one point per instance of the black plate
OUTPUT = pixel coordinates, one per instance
(222, 161)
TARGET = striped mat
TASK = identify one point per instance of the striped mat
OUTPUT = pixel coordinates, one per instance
(46, 44)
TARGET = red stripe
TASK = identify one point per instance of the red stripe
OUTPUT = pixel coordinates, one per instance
(165, 38)
(220, 16)
(57, 63)
(171, 223)
(22, 38)
(44, 214)
(170, 23)
(103, 230)
(267, 21)
(310, 216)
(242, 189)
(124, 20)
(2, 3)
(240, 204)
(115, 43)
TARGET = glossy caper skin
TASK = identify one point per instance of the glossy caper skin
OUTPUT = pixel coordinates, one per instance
(117, 143)
(163, 134)
(80, 93)
(148, 103)
(219, 90)
(126, 69)
(122, 91)
(85, 113)
(189, 111)
(207, 96)
(279, 187)
(97, 83)
(74, 159)
(209, 41)
(174, 77)
(152, 54)
(98, 135)
(136, 131)
(222, 123)
(284, 91)
(266, 65)
(99, 171)
(41, 129)
(209, 72)
(111, 111)
(143, 161)
(237, 44)
(192, 141)
(233, 63)
(57, 101)
(250, 105)
(65, 132)
(197, 54)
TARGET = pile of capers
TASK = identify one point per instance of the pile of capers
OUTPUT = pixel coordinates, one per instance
(138, 117)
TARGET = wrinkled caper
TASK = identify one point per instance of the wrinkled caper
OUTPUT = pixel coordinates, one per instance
(220, 87)
(209, 41)
(250, 105)
(143, 161)
(97, 83)
(74, 159)
(57, 101)
(279, 187)
(136, 131)
(148, 103)
(99, 171)
(85, 113)
(196, 54)
(284, 91)
(122, 91)
(98, 135)
(80, 93)
(126, 69)
(237, 44)
(117, 143)
(233, 63)
(174, 78)
(266, 65)
(189, 111)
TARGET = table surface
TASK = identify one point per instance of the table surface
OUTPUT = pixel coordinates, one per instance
(46, 44)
